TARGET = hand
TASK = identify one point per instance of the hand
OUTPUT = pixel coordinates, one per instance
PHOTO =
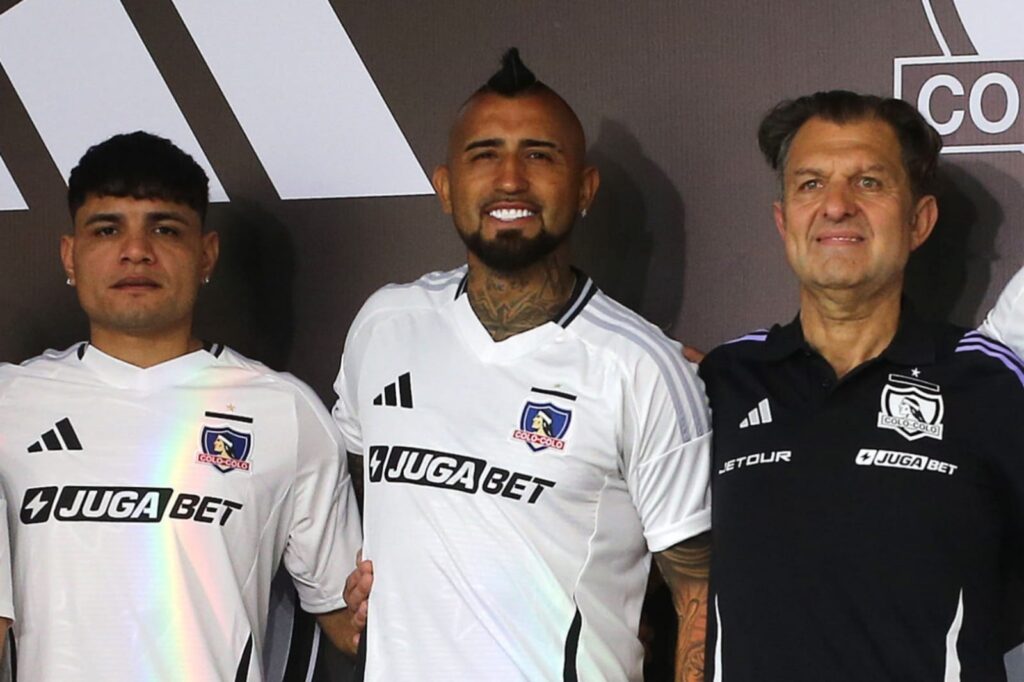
(357, 593)
(693, 354)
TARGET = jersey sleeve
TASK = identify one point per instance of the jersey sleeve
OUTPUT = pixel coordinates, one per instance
(325, 534)
(346, 386)
(1005, 322)
(667, 448)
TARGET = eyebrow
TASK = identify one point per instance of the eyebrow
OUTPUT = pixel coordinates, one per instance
(104, 218)
(873, 168)
(158, 216)
(496, 142)
(154, 217)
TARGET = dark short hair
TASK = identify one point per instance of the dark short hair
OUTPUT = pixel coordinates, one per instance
(513, 78)
(919, 142)
(142, 166)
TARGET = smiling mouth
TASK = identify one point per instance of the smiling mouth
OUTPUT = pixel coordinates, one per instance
(508, 215)
(841, 239)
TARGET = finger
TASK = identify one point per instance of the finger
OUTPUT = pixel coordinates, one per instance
(693, 354)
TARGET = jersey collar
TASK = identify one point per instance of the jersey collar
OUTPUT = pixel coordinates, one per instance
(915, 342)
(125, 375)
(477, 337)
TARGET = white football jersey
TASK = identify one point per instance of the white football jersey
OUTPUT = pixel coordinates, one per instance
(1005, 322)
(514, 489)
(148, 510)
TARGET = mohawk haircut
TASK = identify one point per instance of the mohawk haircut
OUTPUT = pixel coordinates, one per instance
(513, 78)
(142, 166)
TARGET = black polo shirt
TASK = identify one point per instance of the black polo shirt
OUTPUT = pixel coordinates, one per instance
(862, 527)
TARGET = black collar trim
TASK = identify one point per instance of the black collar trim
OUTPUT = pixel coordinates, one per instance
(914, 344)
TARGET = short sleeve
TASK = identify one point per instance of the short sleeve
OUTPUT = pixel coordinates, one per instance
(325, 531)
(667, 447)
(1005, 322)
(346, 386)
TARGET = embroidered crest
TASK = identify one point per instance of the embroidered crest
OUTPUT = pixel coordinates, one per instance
(912, 407)
(225, 448)
(543, 425)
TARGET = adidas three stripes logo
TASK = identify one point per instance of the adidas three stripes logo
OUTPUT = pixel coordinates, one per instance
(396, 394)
(61, 437)
(762, 414)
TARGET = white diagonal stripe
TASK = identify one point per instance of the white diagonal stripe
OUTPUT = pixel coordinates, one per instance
(718, 643)
(304, 98)
(765, 411)
(952, 636)
(83, 74)
(753, 417)
(10, 197)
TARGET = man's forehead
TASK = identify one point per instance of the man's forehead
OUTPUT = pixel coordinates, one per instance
(531, 116)
(869, 141)
(110, 207)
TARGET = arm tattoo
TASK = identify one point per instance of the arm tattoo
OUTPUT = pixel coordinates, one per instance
(685, 568)
(355, 470)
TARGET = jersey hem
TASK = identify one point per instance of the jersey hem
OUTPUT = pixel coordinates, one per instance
(684, 530)
(323, 607)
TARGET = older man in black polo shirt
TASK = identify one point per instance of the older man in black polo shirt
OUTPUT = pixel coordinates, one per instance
(868, 488)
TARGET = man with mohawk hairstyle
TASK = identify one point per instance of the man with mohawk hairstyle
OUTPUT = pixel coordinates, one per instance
(501, 551)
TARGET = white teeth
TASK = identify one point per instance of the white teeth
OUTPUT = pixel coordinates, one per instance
(509, 214)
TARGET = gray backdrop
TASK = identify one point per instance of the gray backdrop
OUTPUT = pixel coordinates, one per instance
(670, 94)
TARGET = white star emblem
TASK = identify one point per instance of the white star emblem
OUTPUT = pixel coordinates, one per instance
(915, 372)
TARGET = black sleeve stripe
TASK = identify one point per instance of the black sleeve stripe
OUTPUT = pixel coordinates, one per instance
(302, 649)
(243, 664)
(14, 655)
(572, 643)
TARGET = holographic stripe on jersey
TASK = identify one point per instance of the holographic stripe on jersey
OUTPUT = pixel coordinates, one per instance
(178, 584)
(973, 341)
(756, 335)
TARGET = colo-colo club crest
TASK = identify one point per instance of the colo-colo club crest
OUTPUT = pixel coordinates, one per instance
(225, 448)
(911, 407)
(543, 425)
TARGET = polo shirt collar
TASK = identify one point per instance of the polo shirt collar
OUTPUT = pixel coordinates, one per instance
(912, 345)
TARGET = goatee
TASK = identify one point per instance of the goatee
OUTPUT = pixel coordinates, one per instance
(510, 251)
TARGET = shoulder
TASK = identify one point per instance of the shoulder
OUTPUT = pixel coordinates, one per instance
(624, 333)
(233, 361)
(47, 363)
(984, 357)
(750, 345)
(1005, 322)
(645, 355)
(429, 292)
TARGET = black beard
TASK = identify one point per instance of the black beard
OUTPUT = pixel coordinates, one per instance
(510, 251)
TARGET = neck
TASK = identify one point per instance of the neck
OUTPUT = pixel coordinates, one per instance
(143, 350)
(848, 332)
(511, 303)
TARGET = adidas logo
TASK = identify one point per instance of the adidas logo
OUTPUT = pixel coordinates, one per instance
(397, 394)
(61, 437)
(762, 414)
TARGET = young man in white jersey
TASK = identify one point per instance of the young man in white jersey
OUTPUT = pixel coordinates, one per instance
(153, 483)
(527, 442)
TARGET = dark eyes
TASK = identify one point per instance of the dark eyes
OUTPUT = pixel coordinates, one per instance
(111, 230)
(532, 155)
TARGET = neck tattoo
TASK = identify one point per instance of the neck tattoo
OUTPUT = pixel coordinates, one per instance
(506, 307)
